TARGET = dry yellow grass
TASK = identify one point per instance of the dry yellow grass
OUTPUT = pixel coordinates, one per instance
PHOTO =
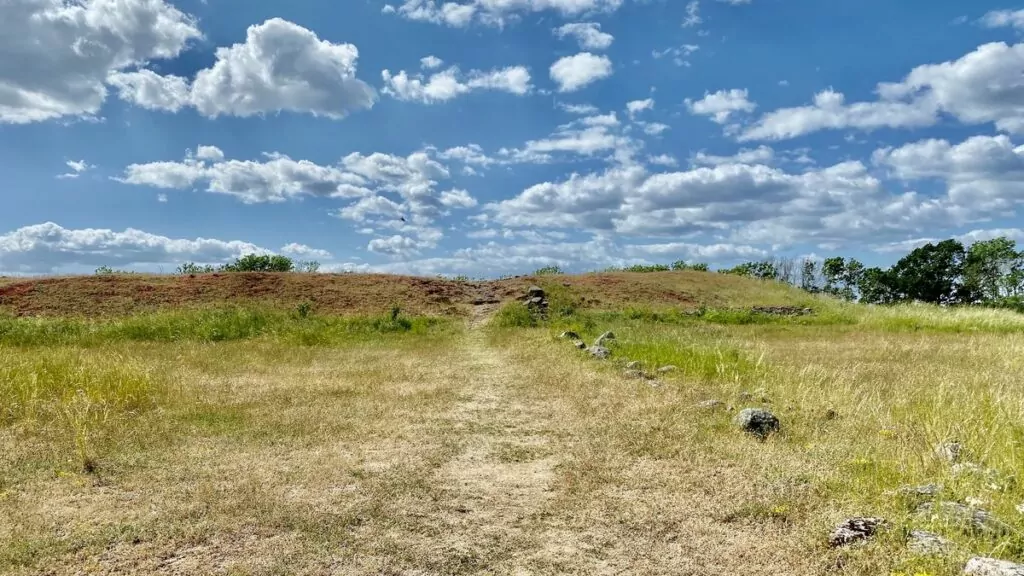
(504, 451)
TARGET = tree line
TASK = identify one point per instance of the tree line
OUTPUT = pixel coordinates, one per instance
(989, 272)
(247, 263)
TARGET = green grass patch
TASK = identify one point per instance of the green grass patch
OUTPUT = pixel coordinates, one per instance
(214, 325)
(707, 361)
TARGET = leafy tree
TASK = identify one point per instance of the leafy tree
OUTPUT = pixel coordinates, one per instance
(876, 286)
(307, 266)
(809, 275)
(104, 271)
(930, 273)
(260, 263)
(992, 270)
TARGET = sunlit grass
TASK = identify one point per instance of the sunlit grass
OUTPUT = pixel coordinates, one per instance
(214, 325)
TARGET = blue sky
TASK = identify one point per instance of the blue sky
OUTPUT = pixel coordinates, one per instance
(488, 137)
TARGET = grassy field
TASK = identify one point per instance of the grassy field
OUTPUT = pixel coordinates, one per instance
(274, 439)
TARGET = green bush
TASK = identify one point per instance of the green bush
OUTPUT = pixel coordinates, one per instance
(193, 268)
(548, 271)
(260, 263)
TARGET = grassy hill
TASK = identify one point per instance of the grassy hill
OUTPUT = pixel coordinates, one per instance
(294, 423)
(113, 295)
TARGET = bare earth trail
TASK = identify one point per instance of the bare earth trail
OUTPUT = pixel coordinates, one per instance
(520, 499)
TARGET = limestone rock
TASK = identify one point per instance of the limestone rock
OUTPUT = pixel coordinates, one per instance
(599, 351)
(604, 337)
(949, 451)
(974, 520)
(757, 421)
(535, 292)
(979, 566)
(928, 543)
(634, 365)
(992, 478)
(854, 529)
(667, 369)
(569, 335)
(580, 344)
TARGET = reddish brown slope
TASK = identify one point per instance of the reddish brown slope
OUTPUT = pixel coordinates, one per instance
(369, 293)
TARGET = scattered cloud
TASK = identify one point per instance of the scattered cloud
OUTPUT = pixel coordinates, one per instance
(572, 73)
(662, 160)
(692, 15)
(721, 105)
(637, 106)
(431, 62)
(491, 12)
(77, 168)
(984, 86)
(303, 251)
(982, 172)
(451, 83)
(678, 54)
(759, 155)
(585, 109)
(1004, 19)
(49, 248)
(587, 34)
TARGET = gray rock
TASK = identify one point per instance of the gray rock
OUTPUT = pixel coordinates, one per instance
(634, 365)
(599, 352)
(637, 374)
(928, 543)
(537, 301)
(667, 369)
(569, 335)
(992, 478)
(711, 405)
(974, 520)
(949, 451)
(854, 529)
(580, 344)
(758, 422)
(922, 491)
(535, 292)
(603, 337)
(979, 566)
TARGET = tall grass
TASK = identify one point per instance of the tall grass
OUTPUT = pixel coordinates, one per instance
(74, 397)
(865, 394)
(212, 325)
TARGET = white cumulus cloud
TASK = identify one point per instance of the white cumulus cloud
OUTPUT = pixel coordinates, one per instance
(572, 73)
(58, 55)
(587, 34)
(451, 83)
(984, 86)
(492, 12)
(721, 105)
(48, 248)
(281, 67)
